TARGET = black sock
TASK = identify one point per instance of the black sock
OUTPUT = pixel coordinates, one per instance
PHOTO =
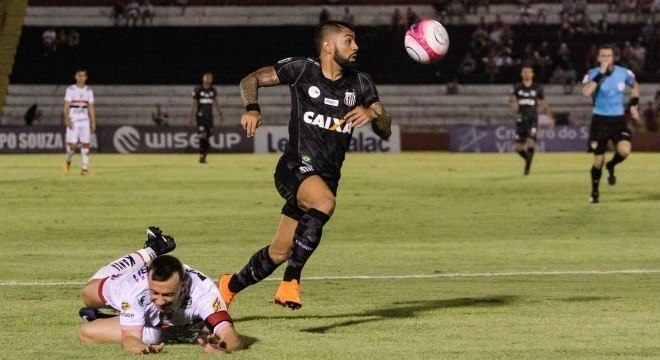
(616, 159)
(595, 178)
(204, 146)
(530, 154)
(522, 153)
(306, 240)
(259, 267)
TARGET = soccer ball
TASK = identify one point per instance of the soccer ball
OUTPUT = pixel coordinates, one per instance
(426, 41)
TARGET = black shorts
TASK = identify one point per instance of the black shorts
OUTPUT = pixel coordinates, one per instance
(204, 124)
(289, 174)
(526, 128)
(605, 128)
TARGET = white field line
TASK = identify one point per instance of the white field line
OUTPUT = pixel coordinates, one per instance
(11, 283)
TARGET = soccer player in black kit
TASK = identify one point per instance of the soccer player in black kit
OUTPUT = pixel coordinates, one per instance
(524, 99)
(329, 100)
(205, 99)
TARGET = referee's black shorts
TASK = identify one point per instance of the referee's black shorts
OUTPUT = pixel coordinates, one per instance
(605, 128)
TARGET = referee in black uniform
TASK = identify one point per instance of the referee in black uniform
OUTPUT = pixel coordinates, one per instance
(205, 99)
(329, 99)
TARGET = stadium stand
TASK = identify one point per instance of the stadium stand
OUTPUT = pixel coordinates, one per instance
(12, 13)
(128, 80)
(417, 108)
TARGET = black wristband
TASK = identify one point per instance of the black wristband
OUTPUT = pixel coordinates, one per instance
(253, 107)
(597, 78)
(634, 101)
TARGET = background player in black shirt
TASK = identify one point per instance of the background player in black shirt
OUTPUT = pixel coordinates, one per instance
(205, 99)
(329, 100)
(524, 99)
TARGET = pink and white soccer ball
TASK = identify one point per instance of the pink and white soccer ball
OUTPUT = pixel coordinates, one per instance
(427, 41)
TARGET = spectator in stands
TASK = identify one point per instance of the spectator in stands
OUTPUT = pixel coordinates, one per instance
(628, 9)
(655, 10)
(456, 10)
(159, 116)
(564, 73)
(183, 4)
(650, 116)
(49, 41)
(647, 32)
(467, 66)
(543, 58)
(452, 87)
(73, 39)
(132, 13)
(118, 12)
(603, 25)
(324, 15)
(440, 8)
(62, 41)
(566, 30)
(398, 26)
(32, 114)
(580, 8)
(411, 16)
(348, 17)
(567, 8)
(472, 6)
(590, 57)
(526, 14)
(147, 12)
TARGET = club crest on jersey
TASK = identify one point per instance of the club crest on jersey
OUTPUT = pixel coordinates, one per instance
(350, 98)
(314, 92)
(125, 306)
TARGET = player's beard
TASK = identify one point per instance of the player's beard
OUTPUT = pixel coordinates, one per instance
(344, 62)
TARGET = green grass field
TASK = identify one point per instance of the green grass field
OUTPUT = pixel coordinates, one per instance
(428, 255)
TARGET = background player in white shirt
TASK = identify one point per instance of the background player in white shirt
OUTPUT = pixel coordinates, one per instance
(159, 301)
(80, 120)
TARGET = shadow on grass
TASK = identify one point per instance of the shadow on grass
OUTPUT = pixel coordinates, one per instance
(398, 310)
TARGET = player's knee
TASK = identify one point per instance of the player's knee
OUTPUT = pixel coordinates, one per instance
(325, 204)
(85, 336)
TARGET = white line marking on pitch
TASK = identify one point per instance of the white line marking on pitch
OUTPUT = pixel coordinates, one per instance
(396, 277)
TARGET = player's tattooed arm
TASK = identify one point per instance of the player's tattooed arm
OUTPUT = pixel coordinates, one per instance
(266, 76)
(382, 124)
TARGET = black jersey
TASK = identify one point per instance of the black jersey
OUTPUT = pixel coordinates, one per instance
(528, 98)
(318, 135)
(205, 99)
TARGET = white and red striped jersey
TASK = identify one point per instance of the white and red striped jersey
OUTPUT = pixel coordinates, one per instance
(79, 99)
(200, 303)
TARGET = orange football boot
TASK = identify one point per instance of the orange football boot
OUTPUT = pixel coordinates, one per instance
(223, 286)
(288, 294)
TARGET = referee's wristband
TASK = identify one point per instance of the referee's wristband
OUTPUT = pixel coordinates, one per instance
(253, 107)
(634, 101)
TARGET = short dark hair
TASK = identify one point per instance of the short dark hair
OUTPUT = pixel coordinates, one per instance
(164, 266)
(328, 26)
(527, 64)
